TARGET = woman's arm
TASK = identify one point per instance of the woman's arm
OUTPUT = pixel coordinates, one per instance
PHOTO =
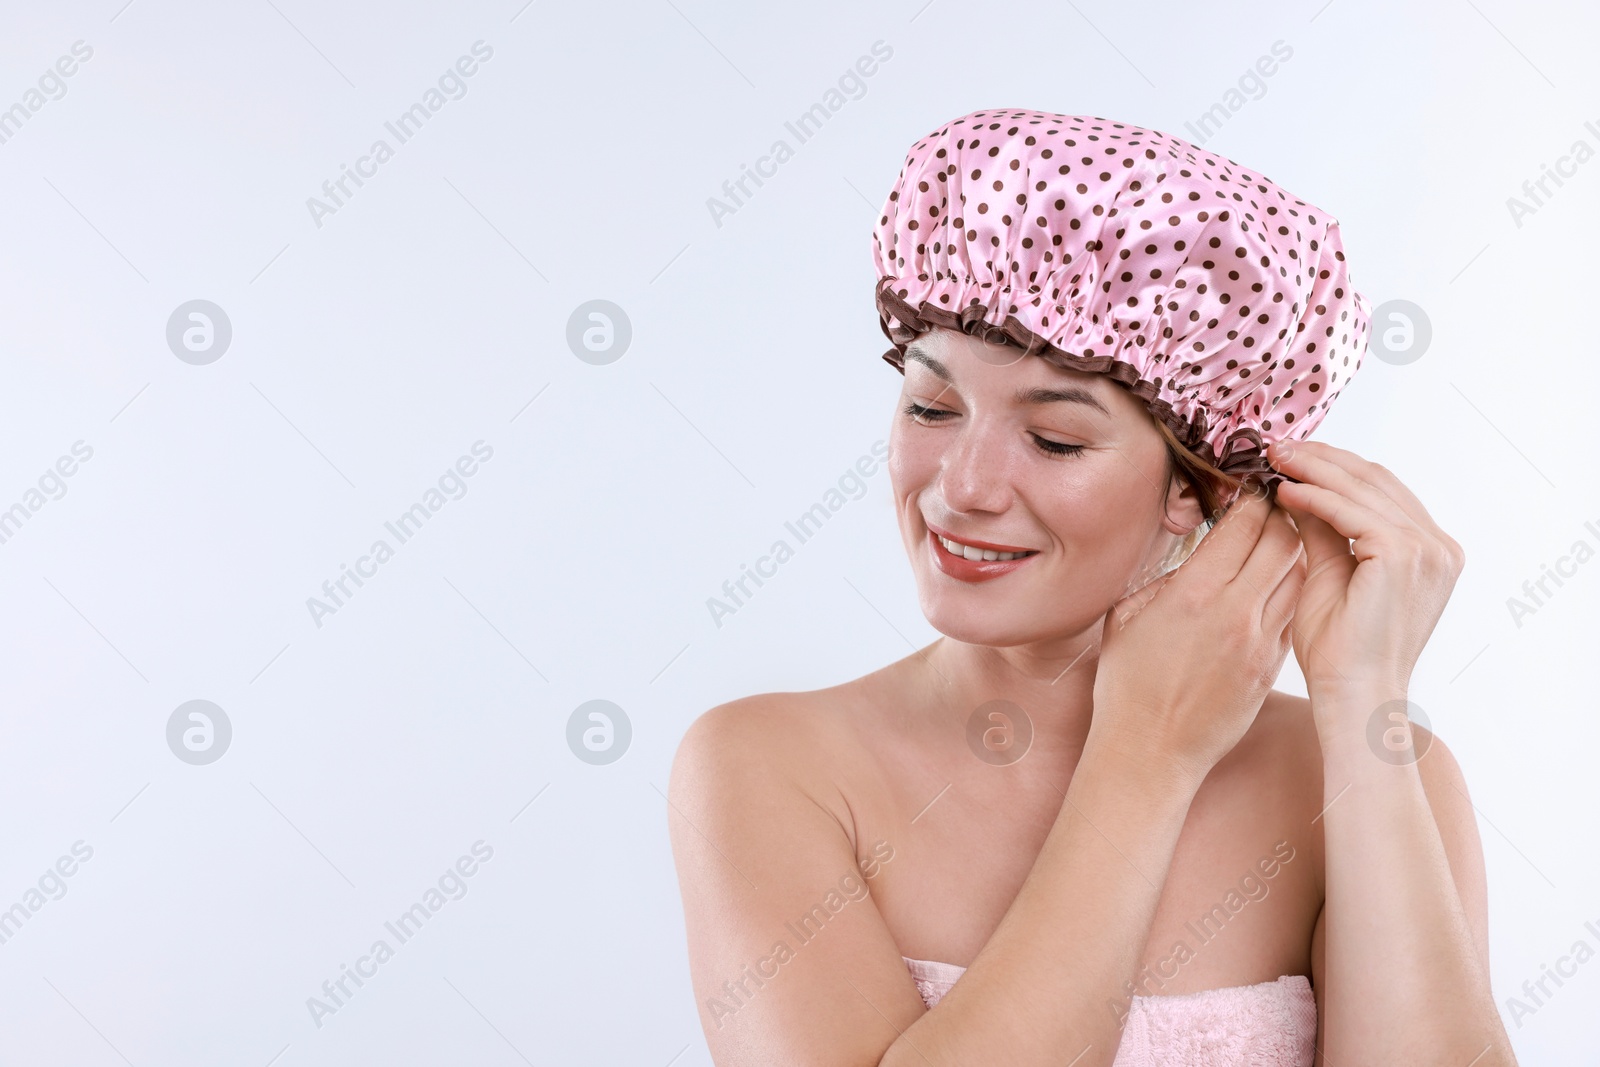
(1402, 969)
(757, 850)
(760, 834)
(777, 909)
(1055, 980)
(1089, 901)
(1401, 949)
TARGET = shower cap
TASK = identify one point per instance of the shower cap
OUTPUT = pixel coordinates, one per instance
(1219, 298)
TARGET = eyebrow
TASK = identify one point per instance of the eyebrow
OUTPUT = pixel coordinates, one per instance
(1036, 395)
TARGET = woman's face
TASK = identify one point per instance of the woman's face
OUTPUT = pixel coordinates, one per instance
(1006, 449)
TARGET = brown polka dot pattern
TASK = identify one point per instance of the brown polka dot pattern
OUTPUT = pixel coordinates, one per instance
(1219, 298)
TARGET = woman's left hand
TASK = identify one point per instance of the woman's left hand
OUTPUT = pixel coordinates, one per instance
(1379, 571)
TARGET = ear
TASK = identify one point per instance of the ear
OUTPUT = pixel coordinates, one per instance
(1183, 511)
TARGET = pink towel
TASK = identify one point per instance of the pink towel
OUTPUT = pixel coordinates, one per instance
(1270, 1024)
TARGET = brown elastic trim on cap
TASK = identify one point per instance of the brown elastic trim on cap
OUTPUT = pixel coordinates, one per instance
(1246, 457)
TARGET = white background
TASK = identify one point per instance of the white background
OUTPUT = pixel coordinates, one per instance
(371, 752)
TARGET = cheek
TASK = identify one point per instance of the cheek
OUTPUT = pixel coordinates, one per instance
(913, 460)
(1096, 507)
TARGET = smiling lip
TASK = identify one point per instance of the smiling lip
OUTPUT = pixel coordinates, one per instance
(974, 542)
(973, 570)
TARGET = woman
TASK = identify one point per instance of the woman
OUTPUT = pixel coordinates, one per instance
(1081, 827)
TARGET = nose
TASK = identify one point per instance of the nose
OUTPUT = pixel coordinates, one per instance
(973, 472)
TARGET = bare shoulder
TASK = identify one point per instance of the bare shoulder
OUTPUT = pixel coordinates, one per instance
(1284, 737)
(1281, 750)
(760, 836)
(1285, 721)
(789, 728)
(1268, 789)
(754, 746)
(1445, 785)
(765, 733)
(1285, 731)
(746, 725)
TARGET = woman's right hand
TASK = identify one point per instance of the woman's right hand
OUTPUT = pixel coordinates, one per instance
(1186, 661)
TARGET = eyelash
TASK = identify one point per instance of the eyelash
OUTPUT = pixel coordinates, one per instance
(1053, 449)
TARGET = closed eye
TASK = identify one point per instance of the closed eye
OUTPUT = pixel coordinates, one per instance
(926, 415)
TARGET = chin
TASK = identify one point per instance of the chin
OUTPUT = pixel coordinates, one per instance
(989, 614)
(999, 623)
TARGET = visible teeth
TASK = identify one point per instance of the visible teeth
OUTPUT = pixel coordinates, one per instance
(979, 554)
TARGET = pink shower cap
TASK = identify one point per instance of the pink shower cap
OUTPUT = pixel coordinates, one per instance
(1220, 299)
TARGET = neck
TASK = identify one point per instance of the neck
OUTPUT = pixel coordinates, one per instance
(1051, 682)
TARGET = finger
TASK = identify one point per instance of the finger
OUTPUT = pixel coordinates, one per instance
(1316, 463)
(1379, 475)
(1231, 540)
(1133, 603)
(1274, 555)
(1324, 542)
(1278, 611)
(1375, 474)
